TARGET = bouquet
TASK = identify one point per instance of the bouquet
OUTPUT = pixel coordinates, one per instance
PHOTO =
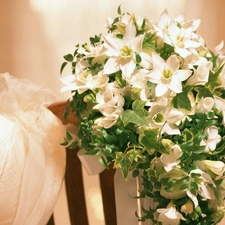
(149, 98)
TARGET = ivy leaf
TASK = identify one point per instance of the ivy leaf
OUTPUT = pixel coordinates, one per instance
(128, 161)
(149, 138)
(202, 91)
(214, 80)
(122, 162)
(181, 100)
(135, 116)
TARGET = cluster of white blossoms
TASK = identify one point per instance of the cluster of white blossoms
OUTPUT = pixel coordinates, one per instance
(160, 82)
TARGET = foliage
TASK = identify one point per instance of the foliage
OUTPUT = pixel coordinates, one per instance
(149, 97)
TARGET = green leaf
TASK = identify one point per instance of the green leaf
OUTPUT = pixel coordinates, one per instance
(73, 145)
(214, 81)
(138, 58)
(195, 175)
(149, 138)
(119, 10)
(184, 186)
(103, 162)
(95, 39)
(143, 24)
(65, 143)
(202, 92)
(68, 136)
(194, 185)
(135, 116)
(68, 57)
(122, 162)
(181, 100)
(135, 173)
(128, 161)
(193, 191)
(62, 67)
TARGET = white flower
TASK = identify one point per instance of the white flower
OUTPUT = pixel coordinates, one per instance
(205, 105)
(172, 159)
(175, 175)
(164, 117)
(97, 52)
(138, 80)
(220, 105)
(167, 75)
(169, 216)
(217, 167)
(84, 81)
(220, 52)
(182, 39)
(122, 52)
(204, 189)
(201, 74)
(187, 208)
(110, 104)
(213, 138)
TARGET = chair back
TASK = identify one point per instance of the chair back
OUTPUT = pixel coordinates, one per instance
(75, 189)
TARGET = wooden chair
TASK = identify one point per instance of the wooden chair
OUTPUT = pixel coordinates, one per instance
(74, 185)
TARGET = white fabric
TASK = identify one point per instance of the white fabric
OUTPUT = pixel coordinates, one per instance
(32, 163)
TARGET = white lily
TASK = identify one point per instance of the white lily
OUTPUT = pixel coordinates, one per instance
(121, 52)
(169, 216)
(167, 75)
(213, 138)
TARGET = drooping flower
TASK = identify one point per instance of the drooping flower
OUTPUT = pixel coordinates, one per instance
(217, 167)
(213, 138)
(172, 159)
(170, 216)
(188, 207)
(205, 105)
(110, 104)
(203, 182)
(201, 74)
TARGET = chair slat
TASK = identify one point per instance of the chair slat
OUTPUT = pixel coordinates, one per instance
(108, 196)
(51, 221)
(75, 189)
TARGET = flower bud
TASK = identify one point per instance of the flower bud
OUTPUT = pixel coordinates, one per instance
(188, 207)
